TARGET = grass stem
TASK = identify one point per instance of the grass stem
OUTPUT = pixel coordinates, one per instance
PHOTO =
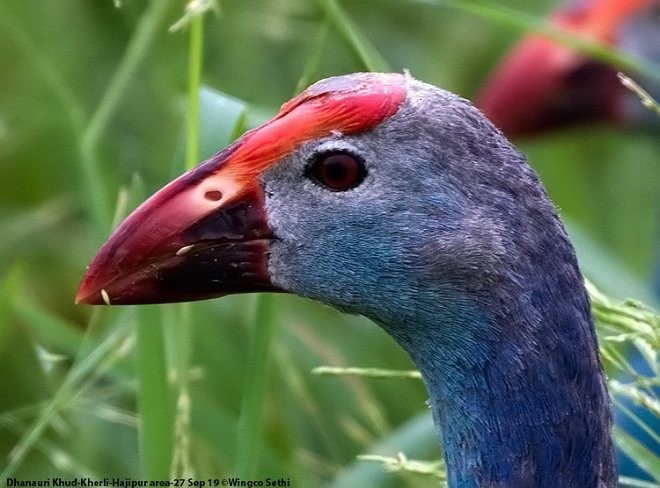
(196, 47)
(154, 406)
(250, 421)
(182, 330)
(314, 57)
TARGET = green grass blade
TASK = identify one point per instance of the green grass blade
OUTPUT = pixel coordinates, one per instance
(181, 330)
(51, 331)
(313, 58)
(252, 406)
(65, 394)
(402, 463)
(9, 284)
(154, 403)
(644, 97)
(637, 396)
(367, 372)
(196, 50)
(626, 481)
(29, 224)
(138, 46)
(416, 438)
(366, 51)
(642, 456)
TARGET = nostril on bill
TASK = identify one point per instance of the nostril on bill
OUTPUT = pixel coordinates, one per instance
(213, 195)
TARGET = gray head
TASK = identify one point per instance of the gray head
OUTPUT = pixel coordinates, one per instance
(444, 206)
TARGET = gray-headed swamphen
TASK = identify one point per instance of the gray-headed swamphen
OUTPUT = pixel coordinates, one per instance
(388, 197)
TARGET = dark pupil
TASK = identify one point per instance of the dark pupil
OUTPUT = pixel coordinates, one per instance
(338, 171)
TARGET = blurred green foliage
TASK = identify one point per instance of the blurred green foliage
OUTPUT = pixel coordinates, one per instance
(70, 377)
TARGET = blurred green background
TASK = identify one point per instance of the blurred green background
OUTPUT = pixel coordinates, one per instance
(69, 386)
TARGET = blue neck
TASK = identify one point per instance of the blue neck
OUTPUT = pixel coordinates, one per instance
(520, 398)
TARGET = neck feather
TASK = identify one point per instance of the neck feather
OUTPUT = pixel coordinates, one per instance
(518, 393)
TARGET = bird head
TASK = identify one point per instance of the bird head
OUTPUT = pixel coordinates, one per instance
(384, 196)
(363, 191)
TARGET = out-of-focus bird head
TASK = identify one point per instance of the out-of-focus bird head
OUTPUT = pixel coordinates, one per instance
(541, 85)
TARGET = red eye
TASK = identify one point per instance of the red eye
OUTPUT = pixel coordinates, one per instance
(337, 171)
